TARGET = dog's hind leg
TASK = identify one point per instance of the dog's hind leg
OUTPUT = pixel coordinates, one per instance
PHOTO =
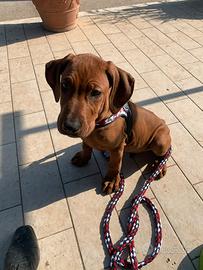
(160, 146)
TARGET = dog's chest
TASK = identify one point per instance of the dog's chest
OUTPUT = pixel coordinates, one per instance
(107, 138)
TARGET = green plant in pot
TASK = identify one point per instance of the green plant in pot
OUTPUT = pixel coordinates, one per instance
(58, 15)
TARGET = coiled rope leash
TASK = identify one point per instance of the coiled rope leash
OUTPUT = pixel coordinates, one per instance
(133, 225)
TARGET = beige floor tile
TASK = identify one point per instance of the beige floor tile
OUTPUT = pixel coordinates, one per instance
(196, 69)
(146, 98)
(21, 69)
(183, 40)
(189, 84)
(95, 35)
(139, 22)
(59, 252)
(153, 17)
(4, 60)
(85, 21)
(44, 203)
(52, 108)
(108, 27)
(62, 54)
(83, 47)
(157, 36)
(33, 138)
(9, 179)
(198, 53)
(5, 92)
(171, 68)
(6, 124)
(139, 82)
(162, 86)
(87, 208)
(19, 49)
(183, 207)
(109, 53)
(181, 55)
(171, 254)
(183, 145)
(192, 32)
(199, 188)
(26, 98)
(175, 72)
(58, 42)
(40, 53)
(36, 40)
(60, 141)
(166, 28)
(194, 89)
(163, 60)
(180, 24)
(121, 42)
(40, 74)
(148, 47)
(11, 219)
(75, 35)
(195, 23)
(139, 61)
(190, 116)
(129, 30)
(199, 39)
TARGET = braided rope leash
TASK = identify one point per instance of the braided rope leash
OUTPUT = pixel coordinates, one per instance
(133, 225)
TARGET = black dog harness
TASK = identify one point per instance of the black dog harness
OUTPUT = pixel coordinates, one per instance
(124, 112)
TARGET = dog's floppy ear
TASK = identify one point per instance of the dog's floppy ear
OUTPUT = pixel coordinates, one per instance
(122, 85)
(53, 71)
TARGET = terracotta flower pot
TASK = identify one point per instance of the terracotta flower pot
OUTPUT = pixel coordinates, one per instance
(58, 15)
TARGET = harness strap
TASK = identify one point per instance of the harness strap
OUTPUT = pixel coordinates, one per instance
(124, 112)
(127, 243)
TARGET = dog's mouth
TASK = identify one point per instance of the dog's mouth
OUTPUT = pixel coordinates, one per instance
(68, 132)
(82, 133)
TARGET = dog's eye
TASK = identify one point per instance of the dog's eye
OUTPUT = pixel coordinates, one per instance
(65, 85)
(95, 93)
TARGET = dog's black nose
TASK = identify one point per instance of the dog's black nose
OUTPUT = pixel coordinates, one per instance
(72, 126)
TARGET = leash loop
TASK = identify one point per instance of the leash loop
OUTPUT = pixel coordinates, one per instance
(116, 252)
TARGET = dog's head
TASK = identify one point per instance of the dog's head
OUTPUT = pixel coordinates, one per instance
(89, 90)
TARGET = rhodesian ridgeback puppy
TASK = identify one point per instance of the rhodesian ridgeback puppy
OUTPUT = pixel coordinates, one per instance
(91, 90)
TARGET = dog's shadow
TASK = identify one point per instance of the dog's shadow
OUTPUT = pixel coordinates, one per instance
(42, 185)
(42, 178)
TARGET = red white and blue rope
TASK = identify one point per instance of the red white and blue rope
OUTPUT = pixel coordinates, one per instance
(127, 242)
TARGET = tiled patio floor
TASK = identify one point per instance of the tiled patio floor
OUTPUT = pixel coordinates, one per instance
(161, 45)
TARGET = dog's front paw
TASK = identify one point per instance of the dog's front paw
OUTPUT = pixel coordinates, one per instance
(111, 185)
(80, 159)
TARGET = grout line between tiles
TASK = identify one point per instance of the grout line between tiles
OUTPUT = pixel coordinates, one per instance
(55, 233)
(15, 134)
(11, 207)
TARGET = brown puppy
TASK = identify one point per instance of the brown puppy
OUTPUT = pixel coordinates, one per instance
(90, 90)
